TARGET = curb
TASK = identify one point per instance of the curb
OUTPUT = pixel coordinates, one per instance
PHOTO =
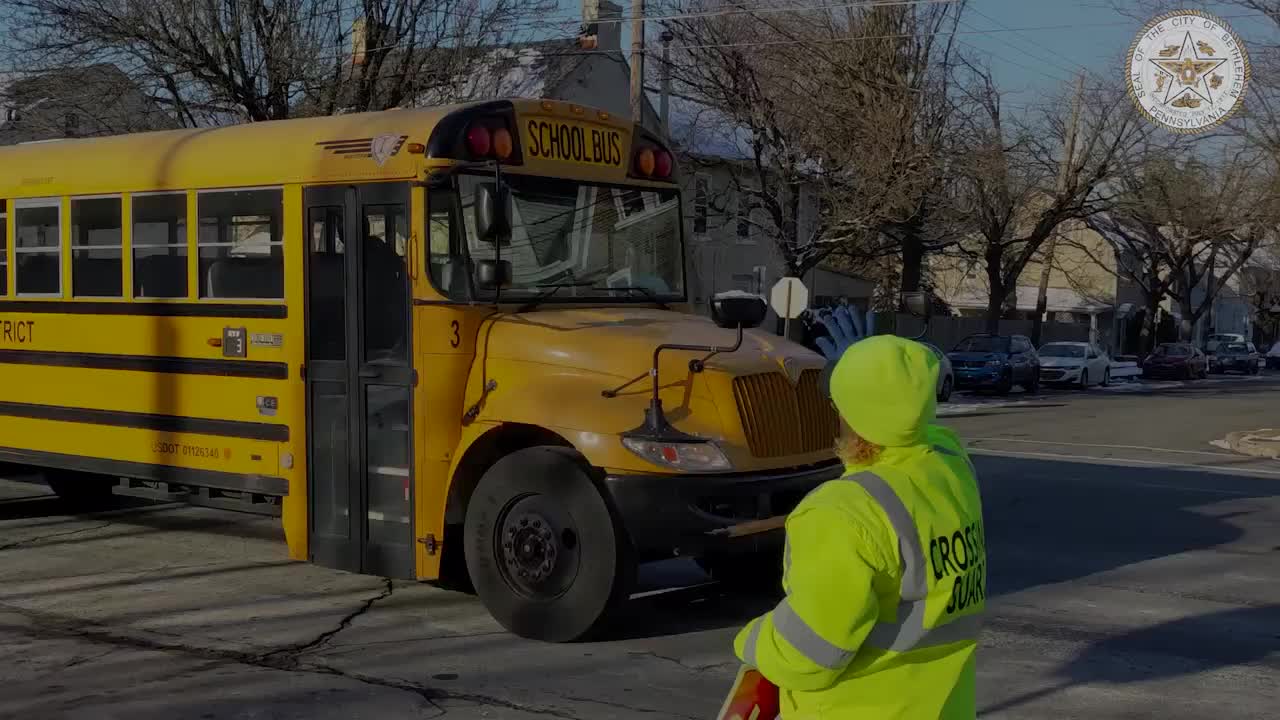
(1264, 443)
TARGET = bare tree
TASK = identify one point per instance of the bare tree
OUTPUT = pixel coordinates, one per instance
(840, 107)
(1136, 248)
(1019, 188)
(217, 61)
(1206, 221)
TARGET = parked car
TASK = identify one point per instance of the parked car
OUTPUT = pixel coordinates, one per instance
(946, 374)
(996, 362)
(1176, 360)
(1077, 363)
(1273, 356)
(1213, 342)
(1235, 357)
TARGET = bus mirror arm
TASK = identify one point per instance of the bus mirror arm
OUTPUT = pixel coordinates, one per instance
(656, 426)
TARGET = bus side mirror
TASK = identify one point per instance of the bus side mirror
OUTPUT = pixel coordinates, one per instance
(491, 274)
(917, 303)
(493, 213)
(737, 309)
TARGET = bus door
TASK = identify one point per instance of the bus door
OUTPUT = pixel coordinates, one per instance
(360, 378)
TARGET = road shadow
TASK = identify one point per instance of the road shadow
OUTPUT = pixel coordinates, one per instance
(1178, 648)
(1052, 521)
(680, 611)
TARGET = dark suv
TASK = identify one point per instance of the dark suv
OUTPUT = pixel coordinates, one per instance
(996, 362)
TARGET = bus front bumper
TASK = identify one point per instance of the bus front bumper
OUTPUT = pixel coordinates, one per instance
(668, 515)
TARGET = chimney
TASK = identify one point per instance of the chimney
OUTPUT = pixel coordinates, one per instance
(597, 35)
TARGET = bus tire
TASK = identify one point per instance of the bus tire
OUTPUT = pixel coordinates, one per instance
(82, 491)
(545, 553)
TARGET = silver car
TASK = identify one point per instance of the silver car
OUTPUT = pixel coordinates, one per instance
(946, 378)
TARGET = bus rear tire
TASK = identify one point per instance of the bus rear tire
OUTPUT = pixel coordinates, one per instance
(82, 491)
(545, 553)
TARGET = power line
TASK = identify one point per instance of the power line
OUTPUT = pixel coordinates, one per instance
(1034, 56)
(1049, 75)
(769, 10)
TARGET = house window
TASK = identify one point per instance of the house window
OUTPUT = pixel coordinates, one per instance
(241, 244)
(96, 246)
(761, 278)
(160, 246)
(4, 248)
(701, 197)
(37, 244)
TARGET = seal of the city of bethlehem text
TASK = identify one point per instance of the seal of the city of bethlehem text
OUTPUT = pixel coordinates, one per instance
(1188, 71)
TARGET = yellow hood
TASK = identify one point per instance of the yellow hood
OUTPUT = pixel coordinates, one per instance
(884, 388)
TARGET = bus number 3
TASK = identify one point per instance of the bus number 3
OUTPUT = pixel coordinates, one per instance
(454, 341)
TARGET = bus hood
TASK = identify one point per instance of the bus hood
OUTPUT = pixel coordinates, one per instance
(620, 342)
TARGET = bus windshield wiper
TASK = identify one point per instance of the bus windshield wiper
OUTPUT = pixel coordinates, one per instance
(548, 291)
(643, 291)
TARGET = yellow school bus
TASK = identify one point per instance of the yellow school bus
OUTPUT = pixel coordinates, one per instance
(454, 338)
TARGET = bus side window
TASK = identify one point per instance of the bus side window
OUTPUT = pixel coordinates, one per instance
(241, 244)
(446, 263)
(37, 247)
(4, 247)
(96, 246)
(160, 246)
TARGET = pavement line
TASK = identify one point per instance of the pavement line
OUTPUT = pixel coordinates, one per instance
(1113, 447)
(1092, 460)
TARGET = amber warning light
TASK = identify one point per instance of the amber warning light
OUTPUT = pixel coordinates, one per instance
(486, 142)
(654, 163)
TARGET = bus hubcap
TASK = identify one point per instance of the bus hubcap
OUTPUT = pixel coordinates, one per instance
(530, 547)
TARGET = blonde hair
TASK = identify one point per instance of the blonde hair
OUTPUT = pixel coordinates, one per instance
(855, 450)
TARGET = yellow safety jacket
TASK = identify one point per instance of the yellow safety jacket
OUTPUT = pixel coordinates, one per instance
(885, 578)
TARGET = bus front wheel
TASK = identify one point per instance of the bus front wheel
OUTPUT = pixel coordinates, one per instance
(545, 553)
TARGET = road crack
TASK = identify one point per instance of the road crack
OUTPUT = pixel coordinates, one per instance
(50, 624)
(39, 538)
(678, 662)
(293, 651)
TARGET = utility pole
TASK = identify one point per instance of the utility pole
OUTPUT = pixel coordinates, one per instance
(637, 61)
(1064, 172)
(665, 104)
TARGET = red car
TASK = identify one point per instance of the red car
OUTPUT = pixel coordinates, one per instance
(1176, 360)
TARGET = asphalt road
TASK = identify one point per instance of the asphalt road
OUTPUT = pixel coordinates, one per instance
(1135, 572)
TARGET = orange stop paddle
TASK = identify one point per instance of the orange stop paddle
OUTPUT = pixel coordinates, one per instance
(751, 698)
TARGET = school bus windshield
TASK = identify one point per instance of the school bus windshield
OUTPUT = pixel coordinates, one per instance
(593, 241)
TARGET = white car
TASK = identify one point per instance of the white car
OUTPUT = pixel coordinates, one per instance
(946, 377)
(1074, 363)
(1213, 341)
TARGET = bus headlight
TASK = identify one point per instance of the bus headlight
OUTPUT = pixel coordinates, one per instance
(686, 456)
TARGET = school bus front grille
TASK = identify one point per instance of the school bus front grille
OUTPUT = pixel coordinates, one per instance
(780, 419)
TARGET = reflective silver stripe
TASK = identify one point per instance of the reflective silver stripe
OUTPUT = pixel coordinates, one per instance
(796, 631)
(786, 558)
(749, 646)
(915, 586)
(909, 632)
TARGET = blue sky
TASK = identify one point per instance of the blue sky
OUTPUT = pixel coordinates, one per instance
(1035, 46)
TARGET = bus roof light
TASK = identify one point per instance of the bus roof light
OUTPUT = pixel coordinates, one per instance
(662, 164)
(479, 140)
(645, 162)
(502, 143)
